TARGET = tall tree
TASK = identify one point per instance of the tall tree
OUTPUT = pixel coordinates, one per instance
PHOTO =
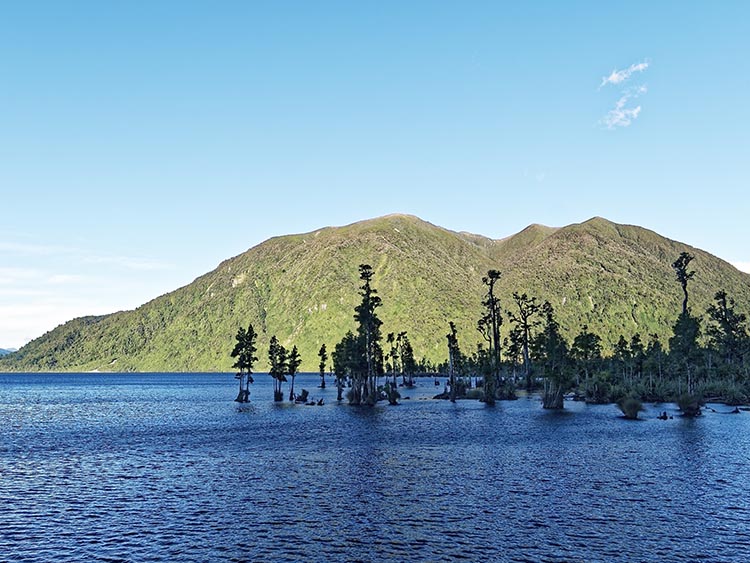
(368, 330)
(551, 351)
(654, 360)
(408, 363)
(244, 350)
(586, 351)
(637, 357)
(393, 354)
(524, 318)
(728, 330)
(454, 357)
(323, 355)
(684, 276)
(292, 365)
(489, 327)
(347, 360)
(277, 359)
(684, 350)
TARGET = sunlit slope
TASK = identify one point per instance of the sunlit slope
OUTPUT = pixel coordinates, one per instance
(303, 288)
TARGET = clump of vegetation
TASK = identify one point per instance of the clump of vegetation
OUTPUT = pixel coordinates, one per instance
(690, 404)
(630, 407)
(244, 350)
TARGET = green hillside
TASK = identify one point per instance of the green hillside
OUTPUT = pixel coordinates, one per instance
(303, 288)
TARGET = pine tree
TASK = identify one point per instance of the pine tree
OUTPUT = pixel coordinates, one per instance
(244, 350)
(323, 355)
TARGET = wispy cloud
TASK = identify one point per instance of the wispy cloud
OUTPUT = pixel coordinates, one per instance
(620, 76)
(622, 115)
(129, 263)
(82, 256)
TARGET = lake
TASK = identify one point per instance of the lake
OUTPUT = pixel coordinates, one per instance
(166, 467)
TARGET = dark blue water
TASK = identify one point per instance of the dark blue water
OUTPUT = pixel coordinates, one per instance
(167, 468)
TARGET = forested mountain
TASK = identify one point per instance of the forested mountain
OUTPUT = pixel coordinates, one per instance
(617, 279)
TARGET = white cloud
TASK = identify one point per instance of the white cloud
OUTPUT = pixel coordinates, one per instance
(620, 76)
(129, 263)
(622, 116)
(59, 279)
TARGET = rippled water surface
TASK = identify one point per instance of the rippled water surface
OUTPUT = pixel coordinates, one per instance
(167, 468)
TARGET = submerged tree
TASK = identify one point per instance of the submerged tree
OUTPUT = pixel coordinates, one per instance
(454, 357)
(551, 352)
(684, 350)
(393, 356)
(489, 327)
(277, 355)
(323, 355)
(368, 331)
(525, 321)
(244, 350)
(347, 359)
(408, 363)
(292, 365)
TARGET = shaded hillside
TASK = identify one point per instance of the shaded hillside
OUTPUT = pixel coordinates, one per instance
(303, 288)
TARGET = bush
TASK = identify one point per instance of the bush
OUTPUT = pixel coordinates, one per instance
(690, 405)
(630, 407)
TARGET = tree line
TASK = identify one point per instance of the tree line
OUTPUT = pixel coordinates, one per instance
(705, 357)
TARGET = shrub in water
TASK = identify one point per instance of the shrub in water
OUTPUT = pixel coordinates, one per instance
(630, 407)
(690, 405)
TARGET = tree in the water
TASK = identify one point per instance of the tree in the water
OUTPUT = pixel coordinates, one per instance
(368, 330)
(393, 356)
(292, 365)
(454, 358)
(323, 355)
(408, 363)
(684, 350)
(527, 309)
(347, 360)
(277, 355)
(551, 352)
(489, 327)
(244, 350)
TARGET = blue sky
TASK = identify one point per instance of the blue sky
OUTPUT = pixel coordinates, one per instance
(141, 143)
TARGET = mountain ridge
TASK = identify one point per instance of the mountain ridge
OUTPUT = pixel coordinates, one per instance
(615, 278)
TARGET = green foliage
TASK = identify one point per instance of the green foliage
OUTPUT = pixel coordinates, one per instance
(550, 351)
(489, 327)
(323, 355)
(616, 279)
(293, 362)
(277, 358)
(244, 350)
